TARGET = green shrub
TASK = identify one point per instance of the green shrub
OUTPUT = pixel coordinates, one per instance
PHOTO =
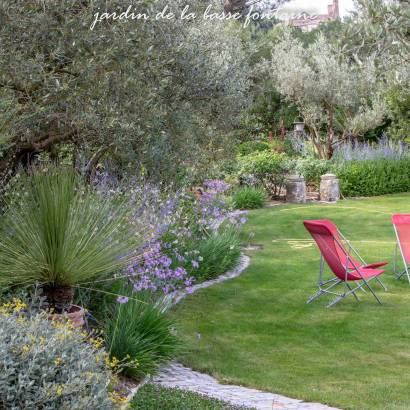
(141, 331)
(373, 177)
(62, 233)
(154, 397)
(220, 252)
(249, 198)
(45, 366)
(265, 168)
(312, 169)
(249, 147)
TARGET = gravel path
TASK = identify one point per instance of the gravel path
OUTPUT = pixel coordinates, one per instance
(176, 375)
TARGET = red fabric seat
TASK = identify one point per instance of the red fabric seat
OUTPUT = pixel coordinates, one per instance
(344, 266)
(401, 223)
(330, 243)
(365, 273)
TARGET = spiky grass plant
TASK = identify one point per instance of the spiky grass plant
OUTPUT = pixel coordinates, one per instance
(249, 198)
(141, 331)
(61, 233)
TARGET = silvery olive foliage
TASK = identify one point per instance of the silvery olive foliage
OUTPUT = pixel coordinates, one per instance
(381, 29)
(44, 366)
(139, 91)
(330, 92)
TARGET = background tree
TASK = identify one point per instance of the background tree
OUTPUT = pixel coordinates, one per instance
(337, 99)
(381, 30)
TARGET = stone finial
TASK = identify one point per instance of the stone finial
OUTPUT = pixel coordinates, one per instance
(295, 189)
(329, 188)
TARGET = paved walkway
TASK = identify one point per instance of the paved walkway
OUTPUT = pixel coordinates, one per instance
(176, 375)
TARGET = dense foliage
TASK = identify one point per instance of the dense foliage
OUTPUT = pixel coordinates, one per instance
(220, 253)
(179, 228)
(48, 365)
(264, 168)
(312, 169)
(141, 91)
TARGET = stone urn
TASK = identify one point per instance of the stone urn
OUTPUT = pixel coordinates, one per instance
(329, 188)
(295, 189)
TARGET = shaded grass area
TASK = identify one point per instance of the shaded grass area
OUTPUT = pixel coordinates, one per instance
(258, 331)
(153, 397)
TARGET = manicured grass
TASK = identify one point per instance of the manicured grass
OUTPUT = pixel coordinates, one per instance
(152, 397)
(258, 331)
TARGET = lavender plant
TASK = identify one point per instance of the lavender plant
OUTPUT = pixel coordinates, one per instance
(384, 148)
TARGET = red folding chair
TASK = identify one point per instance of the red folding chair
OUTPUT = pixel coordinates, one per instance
(337, 251)
(401, 224)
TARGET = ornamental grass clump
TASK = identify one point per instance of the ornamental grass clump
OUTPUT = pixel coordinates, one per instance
(249, 198)
(140, 332)
(60, 233)
(49, 365)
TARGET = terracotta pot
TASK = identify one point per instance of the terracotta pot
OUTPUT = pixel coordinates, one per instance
(75, 315)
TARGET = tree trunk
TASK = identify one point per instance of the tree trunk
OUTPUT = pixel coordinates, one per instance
(59, 298)
(330, 132)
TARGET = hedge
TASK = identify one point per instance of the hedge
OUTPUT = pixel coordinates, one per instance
(373, 177)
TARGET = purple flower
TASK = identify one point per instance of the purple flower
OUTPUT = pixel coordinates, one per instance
(216, 185)
(195, 264)
(122, 299)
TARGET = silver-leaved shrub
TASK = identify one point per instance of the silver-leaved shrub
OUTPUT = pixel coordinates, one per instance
(48, 365)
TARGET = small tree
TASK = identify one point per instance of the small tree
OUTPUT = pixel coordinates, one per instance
(337, 99)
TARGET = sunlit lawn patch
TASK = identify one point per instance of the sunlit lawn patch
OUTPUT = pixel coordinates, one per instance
(257, 330)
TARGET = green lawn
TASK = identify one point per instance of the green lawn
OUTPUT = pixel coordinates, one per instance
(154, 397)
(258, 331)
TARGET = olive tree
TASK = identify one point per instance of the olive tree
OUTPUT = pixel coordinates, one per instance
(336, 98)
(141, 90)
(381, 30)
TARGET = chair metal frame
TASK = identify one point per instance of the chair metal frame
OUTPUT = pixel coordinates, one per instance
(349, 290)
(406, 266)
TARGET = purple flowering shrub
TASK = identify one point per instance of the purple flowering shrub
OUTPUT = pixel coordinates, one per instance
(383, 148)
(175, 226)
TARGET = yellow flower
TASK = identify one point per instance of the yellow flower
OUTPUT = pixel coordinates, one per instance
(25, 349)
(114, 362)
(117, 398)
(57, 361)
(18, 305)
(59, 390)
(97, 343)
